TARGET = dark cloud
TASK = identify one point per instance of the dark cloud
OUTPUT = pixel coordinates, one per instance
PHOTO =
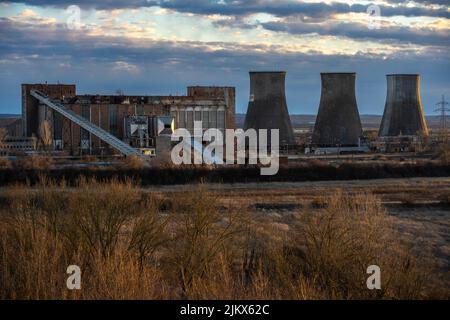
(425, 2)
(422, 36)
(34, 53)
(246, 7)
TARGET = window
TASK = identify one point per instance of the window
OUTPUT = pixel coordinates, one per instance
(198, 115)
(182, 119)
(221, 119)
(190, 119)
(205, 119)
(213, 118)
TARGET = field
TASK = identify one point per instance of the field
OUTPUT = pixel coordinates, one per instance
(271, 240)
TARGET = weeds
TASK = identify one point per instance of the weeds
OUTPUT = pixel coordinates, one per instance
(131, 244)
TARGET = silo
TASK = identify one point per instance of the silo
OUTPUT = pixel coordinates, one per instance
(403, 113)
(338, 122)
(267, 108)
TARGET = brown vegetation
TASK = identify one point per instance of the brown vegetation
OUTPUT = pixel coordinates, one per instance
(35, 162)
(133, 168)
(443, 153)
(132, 162)
(5, 163)
(136, 245)
(3, 134)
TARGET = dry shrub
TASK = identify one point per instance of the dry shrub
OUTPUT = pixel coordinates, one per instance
(202, 236)
(50, 228)
(319, 202)
(148, 232)
(35, 162)
(90, 158)
(335, 246)
(316, 163)
(445, 199)
(443, 153)
(132, 245)
(133, 162)
(5, 163)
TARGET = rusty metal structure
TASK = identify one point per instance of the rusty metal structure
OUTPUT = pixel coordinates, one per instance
(267, 108)
(338, 122)
(403, 112)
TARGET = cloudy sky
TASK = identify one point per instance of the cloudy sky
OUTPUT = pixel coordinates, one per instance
(160, 47)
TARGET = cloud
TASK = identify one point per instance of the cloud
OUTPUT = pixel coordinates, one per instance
(389, 33)
(240, 7)
(31, 52)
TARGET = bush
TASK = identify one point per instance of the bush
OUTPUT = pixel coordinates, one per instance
(133, 245)
(5, 163)
(443, 153)
(35, 162)
(132, 162)
(189, 175)
(335, 246)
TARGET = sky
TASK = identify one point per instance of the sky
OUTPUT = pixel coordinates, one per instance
(161, 47)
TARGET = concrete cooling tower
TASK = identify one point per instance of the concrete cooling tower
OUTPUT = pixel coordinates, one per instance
(338, 121)
(267, 108)
(403, 113)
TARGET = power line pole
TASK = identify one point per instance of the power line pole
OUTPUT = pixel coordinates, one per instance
(443, 109)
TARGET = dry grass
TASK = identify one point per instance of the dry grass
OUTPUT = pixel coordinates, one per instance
(35, 162)
(337, 244)
(133, 162)
(443, 153)
(134, 245)
(5, 163)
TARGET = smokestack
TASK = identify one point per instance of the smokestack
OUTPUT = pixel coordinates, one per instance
(338, 121)
(403, 113)
(267, 108)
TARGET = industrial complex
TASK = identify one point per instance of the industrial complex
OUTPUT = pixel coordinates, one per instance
(55, 117)
(87, 123)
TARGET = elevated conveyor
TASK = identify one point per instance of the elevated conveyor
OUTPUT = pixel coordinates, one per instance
(103, 135)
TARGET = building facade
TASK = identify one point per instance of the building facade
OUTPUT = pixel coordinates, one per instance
(214, 106)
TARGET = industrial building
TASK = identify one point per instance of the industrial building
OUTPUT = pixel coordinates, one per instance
(338, 122)
(104, 124)
(121, 116)
(403, 112)
(267, 108)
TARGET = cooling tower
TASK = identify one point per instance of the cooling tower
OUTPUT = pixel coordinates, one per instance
(267, 108)
(403, 113)
(338, 121)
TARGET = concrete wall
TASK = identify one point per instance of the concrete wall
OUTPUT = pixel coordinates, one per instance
(267, 108)
(338, 121)
(403, 112)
